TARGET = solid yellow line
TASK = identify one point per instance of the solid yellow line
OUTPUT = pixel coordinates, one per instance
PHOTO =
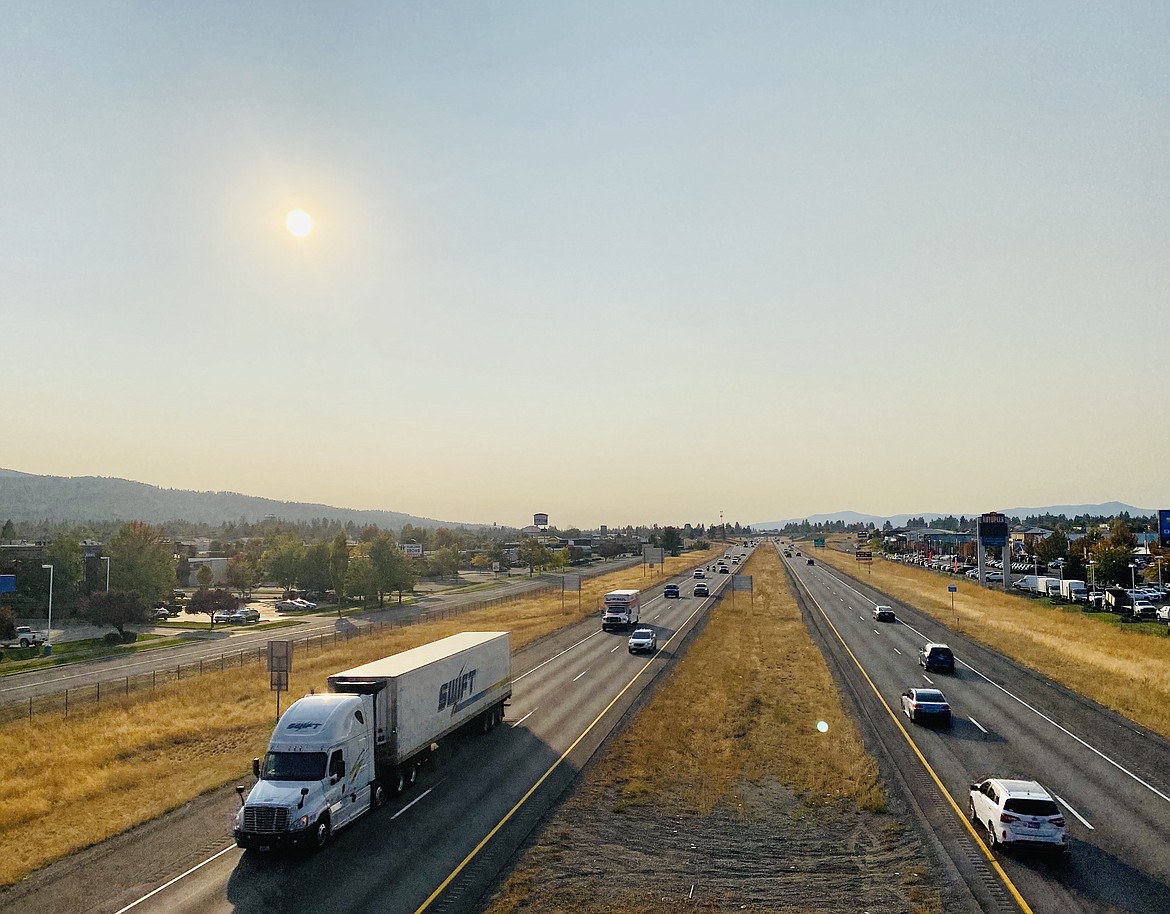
(1011, 887)
(524, 799)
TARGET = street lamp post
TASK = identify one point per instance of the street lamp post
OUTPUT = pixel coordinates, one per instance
(1092, 576)
(106, 559)
(49, 630)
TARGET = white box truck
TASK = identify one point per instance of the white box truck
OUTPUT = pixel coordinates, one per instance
(623, 609)
(1048, 587)
(334, 756)
(1073, 591)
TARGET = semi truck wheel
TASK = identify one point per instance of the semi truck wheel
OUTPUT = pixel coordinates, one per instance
(412, 773)
(399, 780)
(322, 831)
(377, 795)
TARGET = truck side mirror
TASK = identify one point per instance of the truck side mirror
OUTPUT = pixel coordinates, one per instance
(304, 793)
(256, 768)
(240, 791)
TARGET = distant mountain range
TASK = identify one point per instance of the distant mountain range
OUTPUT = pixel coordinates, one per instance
(27, 498)
(1108, 509)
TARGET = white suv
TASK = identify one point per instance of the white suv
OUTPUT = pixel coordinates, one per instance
(1017, 813)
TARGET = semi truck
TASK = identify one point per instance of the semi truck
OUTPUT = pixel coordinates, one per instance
(334, 756)
(623, 609)
(1073, 591)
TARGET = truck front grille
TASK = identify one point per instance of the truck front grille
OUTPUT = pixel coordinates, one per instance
(265, 820)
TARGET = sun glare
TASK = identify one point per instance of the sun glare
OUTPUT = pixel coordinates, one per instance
(299, 223)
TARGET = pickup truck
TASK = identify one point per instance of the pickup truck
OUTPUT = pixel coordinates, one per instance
(24, 637)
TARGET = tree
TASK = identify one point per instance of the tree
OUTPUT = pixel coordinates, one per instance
(559, 559)
(338, 563)
(384, 557)
(282, 559)
(209, 602)
(64, 554)
(480, 562)
(533, 554)
(314, 574)
(204, 576)
(1052, 547)
(183, 571)
(242, 573)
(7, 623)
(444, 538)
(9, 531)
(142, 562)
(672, 540)
(444, 563)
(118, 608)
(360, 579)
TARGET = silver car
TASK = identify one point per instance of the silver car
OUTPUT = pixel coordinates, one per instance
(643, 640)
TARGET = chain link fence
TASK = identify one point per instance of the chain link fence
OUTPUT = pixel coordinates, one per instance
(87, 696)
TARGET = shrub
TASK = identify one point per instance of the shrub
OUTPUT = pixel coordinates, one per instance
(129, 637)
(113, 638)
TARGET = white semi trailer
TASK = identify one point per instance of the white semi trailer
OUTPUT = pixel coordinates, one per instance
(334, 756)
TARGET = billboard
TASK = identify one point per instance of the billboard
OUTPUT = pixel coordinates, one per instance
(741, 582)
(652, 555)
(865, 556)
(993, 530)
(1164, 528)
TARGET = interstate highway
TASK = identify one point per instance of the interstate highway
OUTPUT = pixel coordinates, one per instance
(417, 853)
(1111, 777)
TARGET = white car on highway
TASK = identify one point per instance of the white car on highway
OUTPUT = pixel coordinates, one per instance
(1015, 813)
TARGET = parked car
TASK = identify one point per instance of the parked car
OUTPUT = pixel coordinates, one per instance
(160, 614)
(305, 604)
(288, 606)
(1016, 813)
(1163, 614)
(884, 614)
(670, 592)
(702, 590)
(245, 616)
(926, 706)
(643, 639)
(223, 615)
(937, 657)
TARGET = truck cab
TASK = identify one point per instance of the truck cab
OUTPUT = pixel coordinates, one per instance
(622, 610)
(317, 775)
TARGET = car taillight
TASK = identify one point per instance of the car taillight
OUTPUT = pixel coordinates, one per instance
(1057, 820)
(1008, 817)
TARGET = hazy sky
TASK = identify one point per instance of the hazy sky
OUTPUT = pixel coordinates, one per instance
(620, 262)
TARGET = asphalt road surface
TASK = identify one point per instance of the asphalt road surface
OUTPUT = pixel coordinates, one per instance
(436, 848)
(1111, 777)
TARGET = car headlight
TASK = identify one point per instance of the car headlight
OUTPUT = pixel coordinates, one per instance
(300, 824)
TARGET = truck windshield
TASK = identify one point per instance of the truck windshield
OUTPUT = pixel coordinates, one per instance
(294, 766)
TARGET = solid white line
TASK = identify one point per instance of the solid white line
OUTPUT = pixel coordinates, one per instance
(579, 675)
(524, 718)
(167, 885)
(555, 656)
(412, 802)
(977, 724)
(927, 678)
(1080, 818)
(1042, 715)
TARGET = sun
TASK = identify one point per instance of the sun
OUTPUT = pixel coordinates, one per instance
(299, 223)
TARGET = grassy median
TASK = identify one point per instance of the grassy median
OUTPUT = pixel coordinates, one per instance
(1121, 667)
(126, 761)
(742, 785)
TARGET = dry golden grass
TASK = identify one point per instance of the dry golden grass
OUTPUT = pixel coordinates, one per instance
(1123, 669)
(752, 688)
(84, 778)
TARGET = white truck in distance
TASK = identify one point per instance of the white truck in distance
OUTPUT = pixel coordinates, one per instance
(623, 609)
(25, 637)
(1073, 591)
(332, 757)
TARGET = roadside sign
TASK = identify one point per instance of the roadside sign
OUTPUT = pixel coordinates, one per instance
(951, 588)
(819, 542)
(741, 582)
(278, 681)
(865, 556)
(280, 657)
(1164, 528)
(993, 530)
(495, 566)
